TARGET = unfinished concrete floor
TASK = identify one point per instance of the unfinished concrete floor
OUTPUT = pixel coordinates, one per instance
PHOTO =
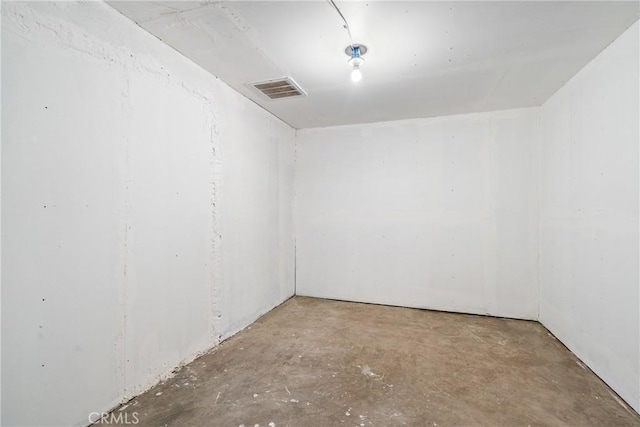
(314, 362)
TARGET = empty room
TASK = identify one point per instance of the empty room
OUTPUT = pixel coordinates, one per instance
(320, 213)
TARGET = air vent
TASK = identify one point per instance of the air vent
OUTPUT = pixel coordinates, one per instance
(279, 88)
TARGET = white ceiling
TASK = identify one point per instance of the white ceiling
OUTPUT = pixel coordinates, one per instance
(425, 58)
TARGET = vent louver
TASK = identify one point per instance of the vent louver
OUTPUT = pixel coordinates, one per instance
(279, 88)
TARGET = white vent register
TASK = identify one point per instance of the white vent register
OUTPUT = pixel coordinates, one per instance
(279, 88)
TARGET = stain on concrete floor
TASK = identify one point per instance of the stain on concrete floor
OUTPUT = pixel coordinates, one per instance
(315, 362)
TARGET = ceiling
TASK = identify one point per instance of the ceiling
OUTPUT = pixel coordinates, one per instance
(425, 58)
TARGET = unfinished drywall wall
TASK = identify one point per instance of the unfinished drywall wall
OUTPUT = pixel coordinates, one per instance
(589, 284)
(122, 162)
(256, 215)
(434, 213)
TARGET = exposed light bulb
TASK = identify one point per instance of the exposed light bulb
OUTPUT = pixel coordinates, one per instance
(355, 52)
(356, 74)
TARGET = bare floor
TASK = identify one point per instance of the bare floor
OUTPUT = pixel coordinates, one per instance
(314, 362)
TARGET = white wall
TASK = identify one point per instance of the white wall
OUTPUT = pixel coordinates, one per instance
(589, 258)
(168, 222)
(132, 181)
(434, 213)
(256, 213)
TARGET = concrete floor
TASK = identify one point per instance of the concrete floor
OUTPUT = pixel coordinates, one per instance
(314, 362)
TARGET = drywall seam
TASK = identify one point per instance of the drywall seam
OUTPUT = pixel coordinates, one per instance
(126, 179)
(490, 282)
(294, 216)
(215, 258)
(133, 389)
(537, 171)
(139, 386)
(1, 121)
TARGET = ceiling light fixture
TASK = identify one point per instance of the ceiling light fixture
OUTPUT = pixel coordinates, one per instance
(355, 53)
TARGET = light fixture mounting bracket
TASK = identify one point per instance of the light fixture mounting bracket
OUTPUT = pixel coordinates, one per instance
(349, 49)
